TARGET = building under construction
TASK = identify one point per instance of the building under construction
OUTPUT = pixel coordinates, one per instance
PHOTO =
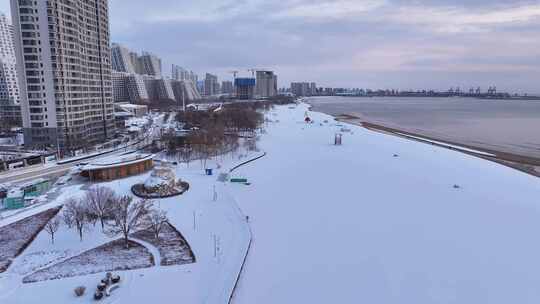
(244, 88)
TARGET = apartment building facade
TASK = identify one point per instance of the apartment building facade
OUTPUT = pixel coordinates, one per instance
(9, 87)
(10, 107)
(266, 84)
(63, 48)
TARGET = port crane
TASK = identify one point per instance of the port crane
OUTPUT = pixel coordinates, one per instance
(492, 90)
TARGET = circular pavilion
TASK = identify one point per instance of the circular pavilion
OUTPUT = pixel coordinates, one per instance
(115, 167)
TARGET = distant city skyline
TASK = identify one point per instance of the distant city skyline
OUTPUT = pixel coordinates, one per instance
(343, 43)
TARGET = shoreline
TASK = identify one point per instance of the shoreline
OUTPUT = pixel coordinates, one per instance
(526, 164)
(483, 97)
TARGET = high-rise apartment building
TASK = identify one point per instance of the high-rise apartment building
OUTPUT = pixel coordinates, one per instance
(138, 78)
(123, 60)
(227, 87)
(151, 64)
(179, 73)
(126, 61)
(300, 88)
(211, 85)
(10, 109)
(9, 87)
(313, 89)
(266, 84)
(64, 55)
(304, 88)
(137, 64)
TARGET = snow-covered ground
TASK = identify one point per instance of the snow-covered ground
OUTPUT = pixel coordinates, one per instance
(329, 224)
(353, 224)
(216, 231)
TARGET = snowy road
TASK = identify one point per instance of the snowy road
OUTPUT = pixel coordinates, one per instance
(353, 224)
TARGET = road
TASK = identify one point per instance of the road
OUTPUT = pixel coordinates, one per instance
(48, 170)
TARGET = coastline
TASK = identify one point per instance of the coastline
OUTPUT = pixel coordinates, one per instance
(525, 164)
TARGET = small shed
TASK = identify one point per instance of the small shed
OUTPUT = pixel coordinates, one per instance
(36, 187)
(24, 194)
(14, 199)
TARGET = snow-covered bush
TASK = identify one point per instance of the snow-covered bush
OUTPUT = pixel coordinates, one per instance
(79, 291)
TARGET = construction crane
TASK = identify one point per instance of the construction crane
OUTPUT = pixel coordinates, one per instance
(253, 71)
(235, 73)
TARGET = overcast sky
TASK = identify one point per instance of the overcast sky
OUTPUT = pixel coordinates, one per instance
(352, 43)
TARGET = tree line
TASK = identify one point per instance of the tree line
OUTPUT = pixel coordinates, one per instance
(213, 132)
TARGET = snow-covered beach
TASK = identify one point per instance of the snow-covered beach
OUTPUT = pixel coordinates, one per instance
(376, 220)
(354, 224)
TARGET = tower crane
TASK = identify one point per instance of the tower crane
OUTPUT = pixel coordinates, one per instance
(234, 73)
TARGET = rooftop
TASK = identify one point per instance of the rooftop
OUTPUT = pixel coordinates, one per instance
(133, 106)
(117, 161)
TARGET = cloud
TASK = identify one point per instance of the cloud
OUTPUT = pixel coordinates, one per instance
(329, 9)
(4, 8)
(380, 43)
(453, 19)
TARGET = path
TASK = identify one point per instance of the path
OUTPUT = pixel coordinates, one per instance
(247, 162)
(154, 251)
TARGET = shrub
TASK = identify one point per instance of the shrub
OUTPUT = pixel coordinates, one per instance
(79, 291)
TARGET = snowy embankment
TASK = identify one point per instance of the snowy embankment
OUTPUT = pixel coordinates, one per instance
(354, 224)
(447, 145)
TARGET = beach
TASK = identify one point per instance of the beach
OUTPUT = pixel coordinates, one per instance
(507, 140)
(379, 220)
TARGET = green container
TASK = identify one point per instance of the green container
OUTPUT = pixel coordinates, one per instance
(239, 180)
(37, 189)
(12, 203)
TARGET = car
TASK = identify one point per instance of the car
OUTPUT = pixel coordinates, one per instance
(64, 180)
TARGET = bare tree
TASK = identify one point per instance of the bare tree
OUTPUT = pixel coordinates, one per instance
(75, 215)
(99, 203)
(155, 221)
(52, 227)
(127, 217)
